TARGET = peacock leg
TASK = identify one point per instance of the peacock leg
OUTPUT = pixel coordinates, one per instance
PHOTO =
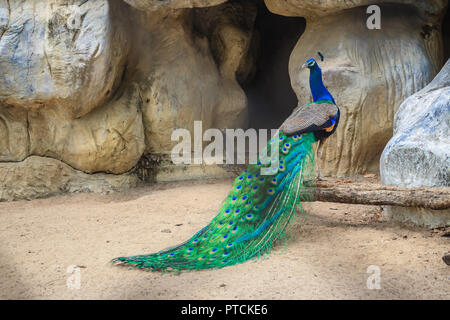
(316, 156)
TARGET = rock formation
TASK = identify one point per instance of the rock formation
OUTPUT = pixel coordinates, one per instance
(418, 154)
(153, 5)
(186, 70)
(59, 55)
(36, 177)
(369, 72)
(98, 86)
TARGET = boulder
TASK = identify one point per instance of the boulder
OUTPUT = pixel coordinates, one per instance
(368, 71)
(38, 177)
(62, 64)
(418, 154)
(57, 54)
(108, 139)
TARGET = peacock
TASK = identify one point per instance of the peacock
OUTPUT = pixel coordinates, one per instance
(263, 199)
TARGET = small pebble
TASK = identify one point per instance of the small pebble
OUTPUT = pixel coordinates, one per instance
(446, 258)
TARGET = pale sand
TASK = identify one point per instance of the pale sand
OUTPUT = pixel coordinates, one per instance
(327, 257)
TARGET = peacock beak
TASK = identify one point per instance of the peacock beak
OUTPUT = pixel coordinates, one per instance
(304, 65)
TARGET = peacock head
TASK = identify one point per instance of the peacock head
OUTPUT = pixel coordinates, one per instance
(312, 63)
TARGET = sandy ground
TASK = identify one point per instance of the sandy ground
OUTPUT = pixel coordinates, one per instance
(327, 257)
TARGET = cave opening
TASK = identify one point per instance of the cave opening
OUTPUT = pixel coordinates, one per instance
(270, 96)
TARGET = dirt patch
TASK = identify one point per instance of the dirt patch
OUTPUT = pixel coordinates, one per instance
(327, 257)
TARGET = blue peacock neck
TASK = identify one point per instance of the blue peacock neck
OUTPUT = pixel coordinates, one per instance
(318, 90)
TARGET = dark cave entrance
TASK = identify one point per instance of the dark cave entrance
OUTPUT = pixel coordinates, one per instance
(269, 92)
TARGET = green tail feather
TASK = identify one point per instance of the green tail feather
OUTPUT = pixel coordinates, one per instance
(253, 216)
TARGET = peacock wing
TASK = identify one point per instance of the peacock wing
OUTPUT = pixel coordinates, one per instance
(310, 117)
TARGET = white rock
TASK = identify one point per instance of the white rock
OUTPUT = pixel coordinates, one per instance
(419, 152)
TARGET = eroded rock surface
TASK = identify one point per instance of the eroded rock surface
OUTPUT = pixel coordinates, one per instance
(153, 5)
(108, 139)
(14, 138)
(65, 54)
(96, 84)
(38, 177)
(190, 72)
(432, 9)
